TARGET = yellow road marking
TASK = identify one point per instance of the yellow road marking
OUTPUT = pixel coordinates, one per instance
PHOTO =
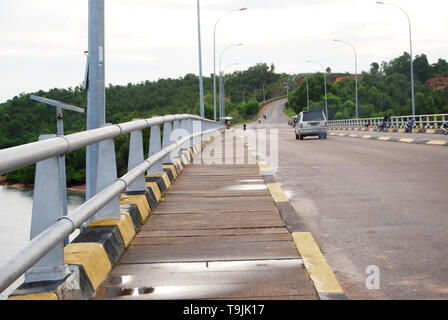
(384, 138)
(263, 165)
(317, 267)
(277, 193)
(437, 142)
(408, 140)
(366, 137)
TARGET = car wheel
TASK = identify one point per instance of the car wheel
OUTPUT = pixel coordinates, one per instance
(301, 137)
(297, 137)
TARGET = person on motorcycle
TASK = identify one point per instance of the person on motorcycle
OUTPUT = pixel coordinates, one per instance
(445, 128)
(385, 121)
(409, 125)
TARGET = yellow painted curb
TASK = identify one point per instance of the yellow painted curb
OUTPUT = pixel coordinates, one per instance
(407, 140)
(277, 193)
(366, 137)
(431, 131)
(141, 202)
(180, 164)
(263, 165)
(155, 188)
(164, 176)
(92, 257)
(384, 138)
(401, 130)
(124, 225)
(36, 296)
(172, 168)
(353, 135)
(317, 267)
(437, 142)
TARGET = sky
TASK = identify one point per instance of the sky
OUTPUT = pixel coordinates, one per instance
(42, 42)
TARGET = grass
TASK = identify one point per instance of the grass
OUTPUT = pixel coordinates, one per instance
(290, 113)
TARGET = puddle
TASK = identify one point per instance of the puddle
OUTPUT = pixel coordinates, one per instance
(246, 187)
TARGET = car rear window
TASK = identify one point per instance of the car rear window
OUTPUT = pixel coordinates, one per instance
(313, 116)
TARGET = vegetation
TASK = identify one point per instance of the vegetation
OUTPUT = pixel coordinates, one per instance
(385, 89)
(23, 120)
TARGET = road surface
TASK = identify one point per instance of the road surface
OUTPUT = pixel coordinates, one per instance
(371, 205)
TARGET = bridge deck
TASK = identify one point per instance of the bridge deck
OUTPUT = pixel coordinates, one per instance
(217, 234)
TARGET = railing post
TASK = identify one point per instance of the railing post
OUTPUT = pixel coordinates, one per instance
(136, 157)
(107, 174)
(167, 131)
(47, 209)
(155, 146)
(198, 126)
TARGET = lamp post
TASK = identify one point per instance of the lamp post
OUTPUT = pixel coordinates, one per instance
(221, 111)
(201, 84)
(224, 86)
(410, 45)
(95, 85)
(325, 86)
(307, 90)
(307, 93)
(214, 57)
(356, 72)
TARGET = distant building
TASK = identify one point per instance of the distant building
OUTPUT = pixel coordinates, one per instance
(332, 77)
(438, 83)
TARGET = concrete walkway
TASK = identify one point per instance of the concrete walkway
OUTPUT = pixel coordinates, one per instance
(217, 234)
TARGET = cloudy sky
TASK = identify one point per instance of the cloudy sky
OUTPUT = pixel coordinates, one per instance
(42, 42)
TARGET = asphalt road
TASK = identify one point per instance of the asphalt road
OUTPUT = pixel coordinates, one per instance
(371, 203)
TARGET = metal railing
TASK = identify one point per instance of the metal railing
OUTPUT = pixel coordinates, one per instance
(428, 120)
(54, 234)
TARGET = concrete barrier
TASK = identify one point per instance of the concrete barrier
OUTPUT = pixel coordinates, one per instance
(93, 253)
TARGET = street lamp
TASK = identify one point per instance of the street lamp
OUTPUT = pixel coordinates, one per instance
(307, 93)
(325, 85)
(201, 84)
(221, 111)
(307, 90)
(224, 86)
(410, 45)
(356, 72)
(214, 57)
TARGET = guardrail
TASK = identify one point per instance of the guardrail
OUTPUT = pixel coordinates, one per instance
(191, 130)
(428, 120)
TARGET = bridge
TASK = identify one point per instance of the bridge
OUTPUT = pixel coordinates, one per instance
(224, 219)
(215, 212)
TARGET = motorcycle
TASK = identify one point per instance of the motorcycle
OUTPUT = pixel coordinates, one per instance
(445, 128)
(384, 126)
(409, 125)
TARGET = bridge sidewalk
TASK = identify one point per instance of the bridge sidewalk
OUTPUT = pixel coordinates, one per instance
(217, 234)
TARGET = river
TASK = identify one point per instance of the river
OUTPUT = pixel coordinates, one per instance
(15, 216)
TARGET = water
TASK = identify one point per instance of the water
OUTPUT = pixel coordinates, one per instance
(15, 217)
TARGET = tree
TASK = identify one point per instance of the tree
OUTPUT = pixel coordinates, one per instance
(374, 68)
(422, 69)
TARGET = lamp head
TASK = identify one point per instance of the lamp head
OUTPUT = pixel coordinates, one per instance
(379, 2)
(243, 9)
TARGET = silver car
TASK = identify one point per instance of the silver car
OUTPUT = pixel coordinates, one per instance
(312, 123)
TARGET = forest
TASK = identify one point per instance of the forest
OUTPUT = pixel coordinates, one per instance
(22, 120)
(385, 88)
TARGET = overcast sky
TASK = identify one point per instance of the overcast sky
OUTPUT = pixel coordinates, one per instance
(42, 42)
